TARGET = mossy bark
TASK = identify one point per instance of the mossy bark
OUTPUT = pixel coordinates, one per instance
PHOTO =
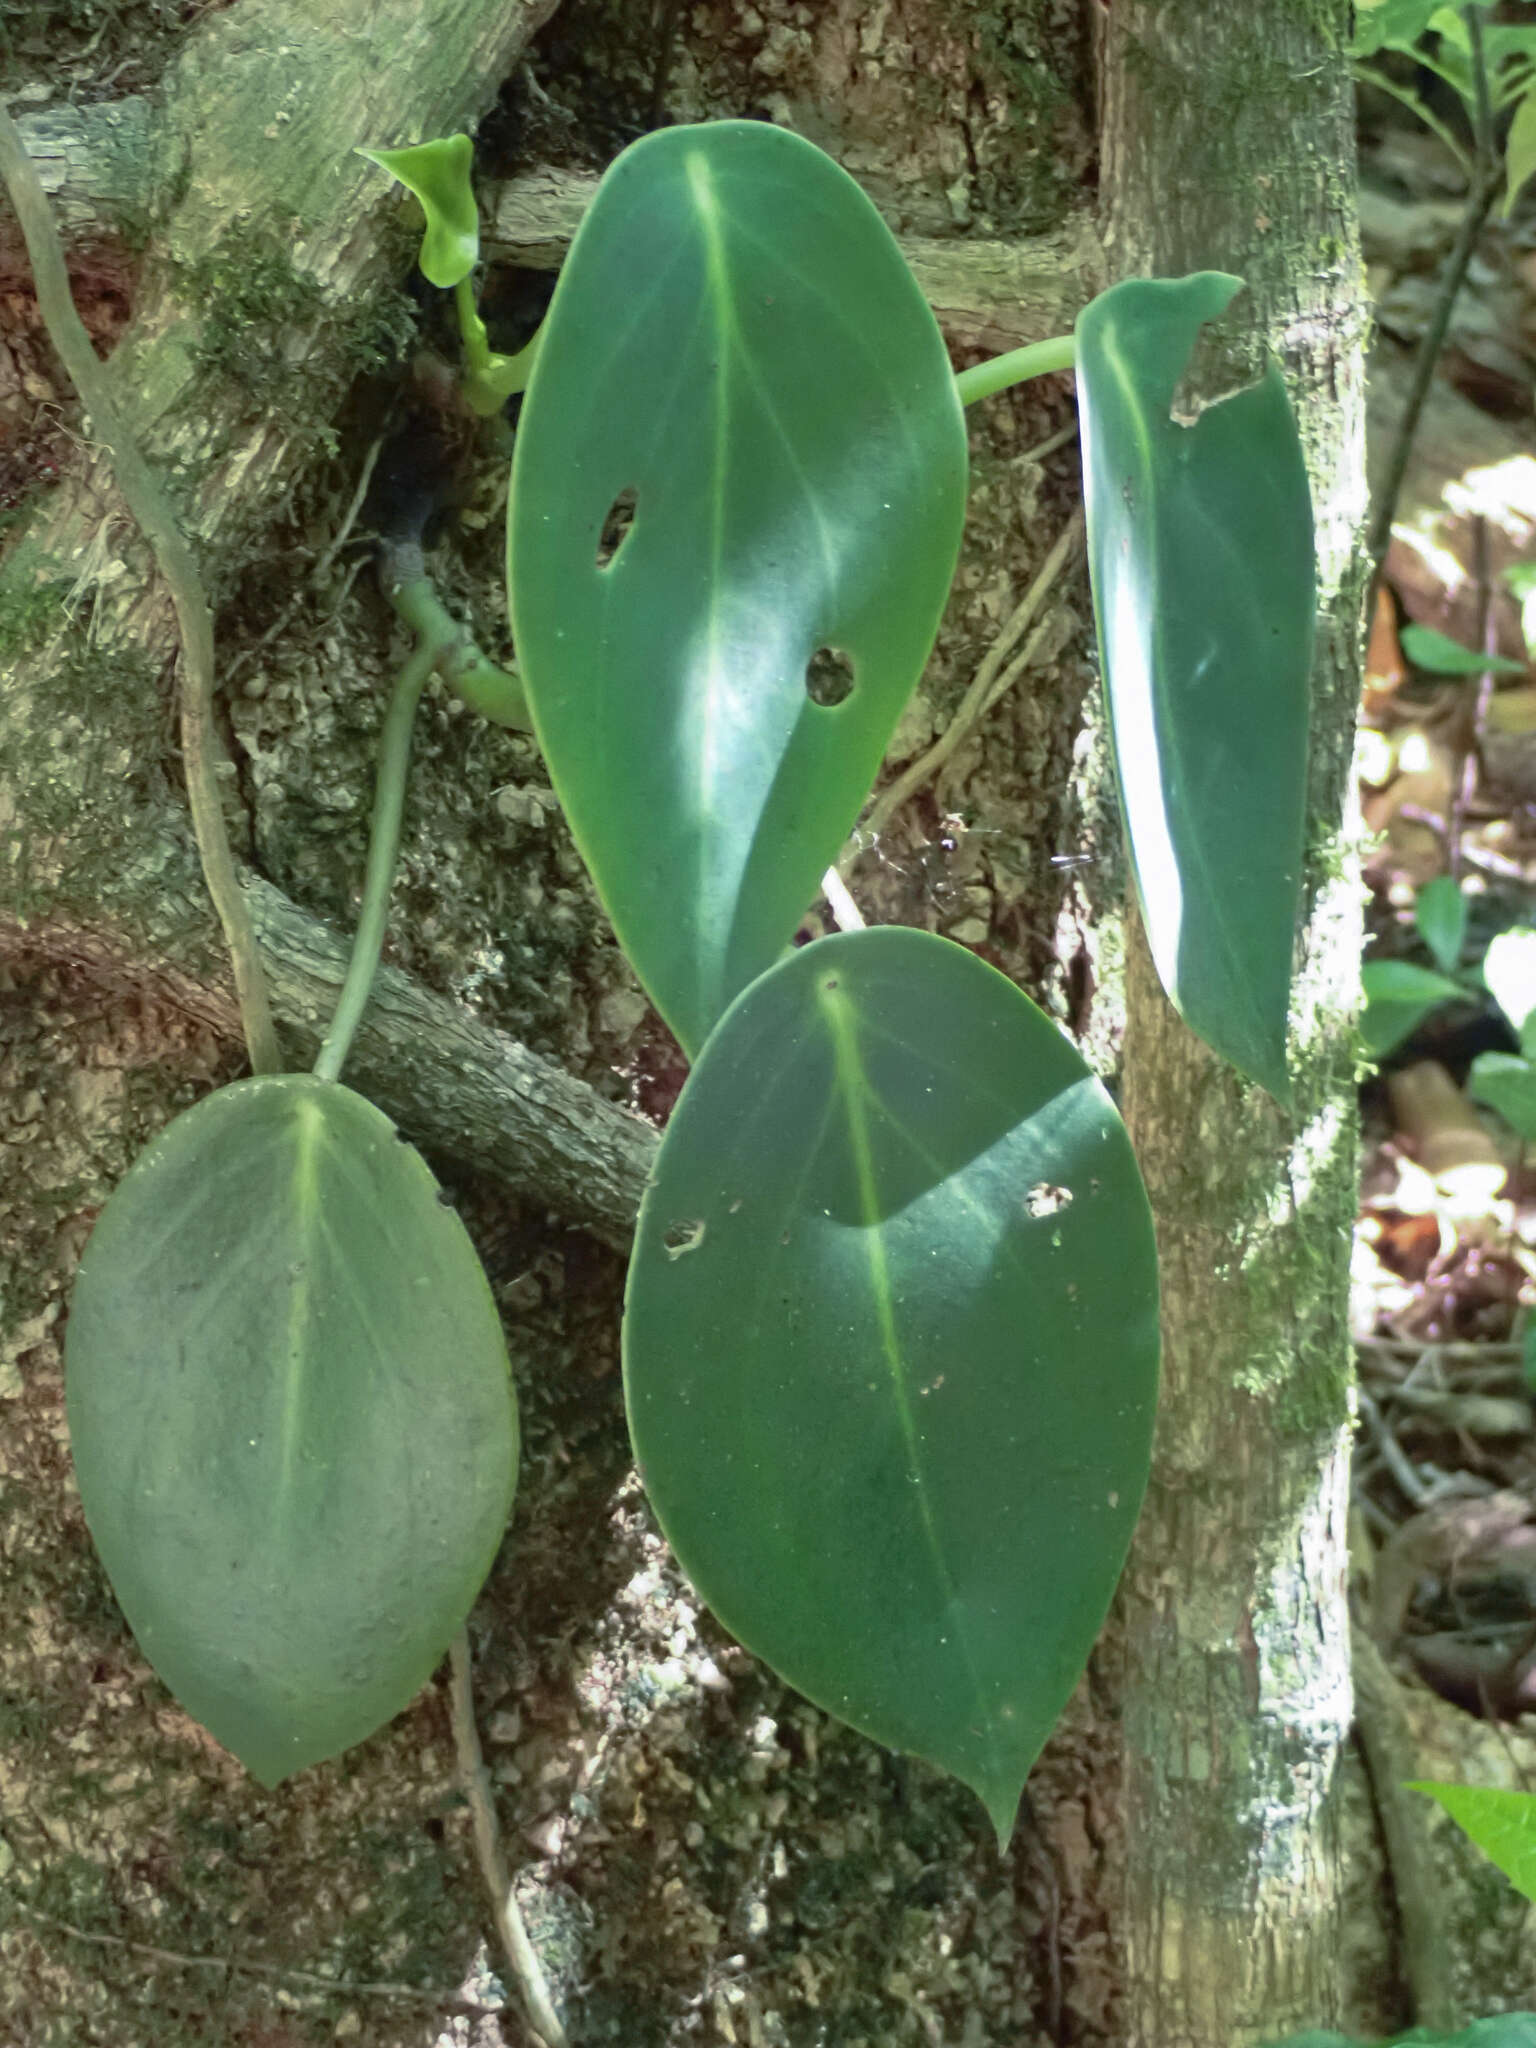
(1228, 144)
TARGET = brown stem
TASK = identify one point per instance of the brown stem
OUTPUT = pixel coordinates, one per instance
(1480, 197)
(157, 522)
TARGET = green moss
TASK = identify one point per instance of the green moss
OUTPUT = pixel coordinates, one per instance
(1027, 62)
(31, 594)
(255, 299)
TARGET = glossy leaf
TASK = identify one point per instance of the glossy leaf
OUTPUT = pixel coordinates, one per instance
(1204, 593)
(1439, 656)
(737, 345)
(1398, 997)
(438, 173)
(1507, 1084)
(890, 1346)
(291, 1415)
(1440, 917)
(1501, 1823)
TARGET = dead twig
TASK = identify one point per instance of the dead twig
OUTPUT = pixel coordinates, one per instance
(1483, 189)
(300, 1980)
(991, 680)
(476, 1780)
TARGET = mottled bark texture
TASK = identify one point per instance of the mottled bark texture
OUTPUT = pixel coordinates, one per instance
(1228, 144)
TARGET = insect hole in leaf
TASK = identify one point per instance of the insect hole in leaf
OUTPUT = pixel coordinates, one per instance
(829, 677)
(617, 527)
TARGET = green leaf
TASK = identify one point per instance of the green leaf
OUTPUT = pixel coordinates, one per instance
(1501, 2030)
(1440, 913)
(736, 341)
(1380, 22)
(438, 173)
(1398, 997)
(1502, 1824)
(1204, 594)
(291, 1415)
(890, 1346)
(1509, 972)
(1432, 651)
(1520, 149)
(1507, 1084)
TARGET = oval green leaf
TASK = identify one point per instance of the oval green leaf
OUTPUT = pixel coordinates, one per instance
(1507, 1084)
(1200, 548)
(1440, 918)
(890, 1347)
(737, 359)
(1399, 995)
(1440, 656)
(292, 1416)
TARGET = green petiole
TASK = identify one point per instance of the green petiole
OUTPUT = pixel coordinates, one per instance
(489, 379)
(1039, 359)
(383, 848)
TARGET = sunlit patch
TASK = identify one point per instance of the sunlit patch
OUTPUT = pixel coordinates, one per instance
(1138, 759)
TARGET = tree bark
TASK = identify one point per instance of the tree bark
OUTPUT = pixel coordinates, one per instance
(1228, 144)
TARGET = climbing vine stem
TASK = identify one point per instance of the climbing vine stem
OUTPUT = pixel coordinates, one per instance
(151, 510)
(383, 848)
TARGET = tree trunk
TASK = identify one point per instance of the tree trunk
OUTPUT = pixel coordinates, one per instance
(1228, 144)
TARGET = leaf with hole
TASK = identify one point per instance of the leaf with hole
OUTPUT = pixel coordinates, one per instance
(1204, 594)
(890, 1346)
(736, 506)
(291, 1415)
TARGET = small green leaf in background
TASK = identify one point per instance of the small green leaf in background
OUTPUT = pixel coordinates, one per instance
(1501, 2030)
(1509, 971)
(1520, 580)
(1438, 656)
(291, 1416)
(1398, 997)
(738, 361)
(890, 1347)
(438, 173)
(1502, 1824)
(1507, 1084)
(1204, 596)
(1440, 915)
(1380, 22)
(1528, 1353)
(1520, 149)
